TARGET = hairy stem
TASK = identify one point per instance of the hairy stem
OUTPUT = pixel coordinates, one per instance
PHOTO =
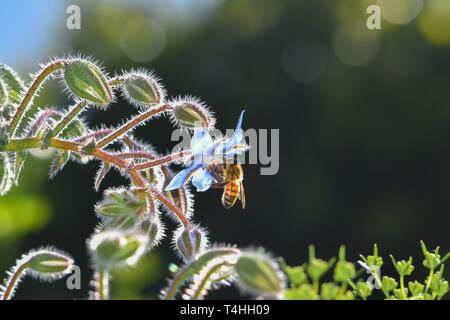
(28, 143)
(40, 121)
(66, 120)
(103, 285)
(130, 125)
(202, 285)
(166, 159)
(172, 207)
(21, 144)
(31, 92)
(12, 282)
(78, 108)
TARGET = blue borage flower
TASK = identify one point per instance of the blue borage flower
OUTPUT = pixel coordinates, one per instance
(205, 153)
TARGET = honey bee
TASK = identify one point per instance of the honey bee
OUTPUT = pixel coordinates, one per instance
(229, 177)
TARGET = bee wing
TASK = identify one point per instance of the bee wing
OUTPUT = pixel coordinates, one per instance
(242, 194)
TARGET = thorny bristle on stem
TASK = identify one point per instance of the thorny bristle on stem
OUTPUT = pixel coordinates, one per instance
(130, 215)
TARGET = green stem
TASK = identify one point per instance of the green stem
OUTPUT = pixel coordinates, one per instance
(78, 108)
(116, 81)
(402, 285)
(31, 92)
(103, 284)
(380, 284)
(203, 283)
(21, 144)
(430, 276)
(130, 125)
(166, 159)
(9, 290)
(65, 121)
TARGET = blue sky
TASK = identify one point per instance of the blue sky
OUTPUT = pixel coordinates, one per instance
(26, 25)
(24, 30)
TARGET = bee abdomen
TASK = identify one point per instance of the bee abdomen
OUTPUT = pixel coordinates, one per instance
(230, 195)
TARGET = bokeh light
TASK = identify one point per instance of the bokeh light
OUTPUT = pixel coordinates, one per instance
(400, 11)
(435, 21)
(142, 39)
(356, 45)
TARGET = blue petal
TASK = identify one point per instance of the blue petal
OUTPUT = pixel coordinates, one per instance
(238, 134)
(200, 141)
(202, 179)
(236, 150)
(182, 177)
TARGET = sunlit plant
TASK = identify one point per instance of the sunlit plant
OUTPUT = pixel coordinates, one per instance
(131, 223)
(131, 215)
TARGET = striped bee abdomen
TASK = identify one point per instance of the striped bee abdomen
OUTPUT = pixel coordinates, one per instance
(230, 194)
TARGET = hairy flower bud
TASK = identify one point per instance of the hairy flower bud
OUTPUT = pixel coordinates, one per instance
(114, 249)
(59, 161)
(4, 135)
(13, 83)
(87, 81)
(142, 89)
(120, 201)
(6, 173)
(259, 274)
(49, 263)
(154, 229)
(3, 94)
(190, 241)
(124, 223)
(191, 113)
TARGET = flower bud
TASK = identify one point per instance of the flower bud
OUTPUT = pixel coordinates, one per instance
(3, 94)
(86, 81)
(142, 89)
(6, 174)
(259, 274)
(118, 202)
(154, 229)
(12, 82)
(126, 222)
(49, 263)
(191, 113)
(190, 241)
(4, 135)
(113, 249)
(59, 161)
